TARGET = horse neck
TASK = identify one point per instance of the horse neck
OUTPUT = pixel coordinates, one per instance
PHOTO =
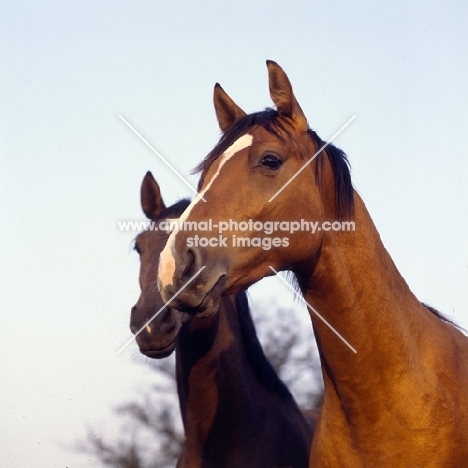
(357, 288)
(216, 382)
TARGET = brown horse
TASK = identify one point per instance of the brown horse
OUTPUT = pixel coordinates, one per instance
(236, 411)
(400, 400)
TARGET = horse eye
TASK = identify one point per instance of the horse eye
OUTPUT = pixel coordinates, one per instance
(271, 161)
(137, 249)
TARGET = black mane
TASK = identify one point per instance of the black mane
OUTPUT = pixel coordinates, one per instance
(268, 119)
(441, 316)
(344, 209)
(174, 210)
(254, 350)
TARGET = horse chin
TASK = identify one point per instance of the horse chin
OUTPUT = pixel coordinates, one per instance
(158, 353)
(208, 307)
(206, 313)
(202, 302)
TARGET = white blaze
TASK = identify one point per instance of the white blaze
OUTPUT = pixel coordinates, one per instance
(171, 225)
(167, 257)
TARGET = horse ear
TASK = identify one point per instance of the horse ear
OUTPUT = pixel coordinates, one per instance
(282, 95)
(227, 111)
(151, 200)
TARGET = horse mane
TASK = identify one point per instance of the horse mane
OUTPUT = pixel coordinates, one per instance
(441, 316)
(174, 210)
(344, 193)
(269, 120)
(254, 351)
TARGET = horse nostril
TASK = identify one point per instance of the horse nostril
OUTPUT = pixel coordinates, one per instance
(133, 320)
(193, 264)
(168, 321)
(188, 266)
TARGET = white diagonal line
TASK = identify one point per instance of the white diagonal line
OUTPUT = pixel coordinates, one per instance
(314, 311)
(160, 310)
(312, 158)
(160, 156)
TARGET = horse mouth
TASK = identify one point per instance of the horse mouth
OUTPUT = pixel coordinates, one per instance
(209, 304)
(159, 352)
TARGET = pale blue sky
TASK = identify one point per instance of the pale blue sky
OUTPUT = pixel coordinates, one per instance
(70, 169)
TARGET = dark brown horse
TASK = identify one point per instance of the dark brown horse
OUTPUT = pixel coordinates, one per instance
(236, 412)
(400, 400)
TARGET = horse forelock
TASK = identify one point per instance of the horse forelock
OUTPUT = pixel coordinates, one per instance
(272, 122)
(267, 119)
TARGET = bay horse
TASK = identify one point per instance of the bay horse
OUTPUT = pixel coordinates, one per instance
(400, 399)
(236, 412)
